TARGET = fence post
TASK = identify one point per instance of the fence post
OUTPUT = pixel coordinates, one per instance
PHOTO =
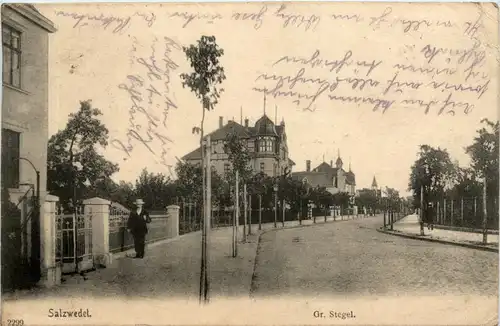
(245, 212)
(190, 217)
(462, 209)
(172, 221)
(438, 210)
(50, 269)
(485, 215)
(249, 214)
(444, 208)
(475, 207)
(99, 208)
(260, 212)
(452, 220)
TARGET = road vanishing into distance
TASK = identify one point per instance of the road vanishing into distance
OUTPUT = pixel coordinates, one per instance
(350, 258)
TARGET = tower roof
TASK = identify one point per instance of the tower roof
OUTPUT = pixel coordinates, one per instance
(264, 126)
(374, 183)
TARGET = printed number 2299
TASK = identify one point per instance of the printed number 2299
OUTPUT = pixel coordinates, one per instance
(15, 322)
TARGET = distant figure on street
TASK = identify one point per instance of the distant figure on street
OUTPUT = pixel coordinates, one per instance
(137, 226)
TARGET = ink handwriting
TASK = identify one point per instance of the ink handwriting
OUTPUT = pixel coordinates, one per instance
(148, 91)
(120, 24)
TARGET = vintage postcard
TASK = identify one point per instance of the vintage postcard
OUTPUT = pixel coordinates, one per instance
(267, 163)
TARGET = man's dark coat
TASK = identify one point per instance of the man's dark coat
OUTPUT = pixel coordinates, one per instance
(137, 223)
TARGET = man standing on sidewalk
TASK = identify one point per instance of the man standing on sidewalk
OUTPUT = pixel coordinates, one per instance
(137, 225)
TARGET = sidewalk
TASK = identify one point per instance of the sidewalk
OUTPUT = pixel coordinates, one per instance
(409, 225)
(171, 268)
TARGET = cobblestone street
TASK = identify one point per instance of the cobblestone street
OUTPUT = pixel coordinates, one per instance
(346, 265)
(353, 259)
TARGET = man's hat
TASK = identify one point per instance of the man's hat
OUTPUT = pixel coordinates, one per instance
(139, 202)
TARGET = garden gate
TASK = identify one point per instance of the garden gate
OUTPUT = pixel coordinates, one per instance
(74, 252)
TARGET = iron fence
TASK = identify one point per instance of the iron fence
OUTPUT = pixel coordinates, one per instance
(467, 212)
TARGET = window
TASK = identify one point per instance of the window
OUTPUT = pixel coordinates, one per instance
(213, 147)
(266, 144)
(227, 168)
(10, 158)
(262, 166)
(11, 40)
(251, 146)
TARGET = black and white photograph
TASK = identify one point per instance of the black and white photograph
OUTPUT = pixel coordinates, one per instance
(250, 163)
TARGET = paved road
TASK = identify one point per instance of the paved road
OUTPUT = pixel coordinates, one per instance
(353, 259)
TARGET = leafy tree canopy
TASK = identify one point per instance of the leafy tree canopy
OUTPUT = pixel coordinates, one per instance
(77, 144)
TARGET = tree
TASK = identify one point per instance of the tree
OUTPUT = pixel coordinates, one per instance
(189, 182)
(484, 155)
(156, 189)
(203, 82)
(124, 194)
(434, 171)
(341, 199)
(262, 184)
(294, 193)
(467, 184)
(367, 199)
(236, 149)
(78, 143)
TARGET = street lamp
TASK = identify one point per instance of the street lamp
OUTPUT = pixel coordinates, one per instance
(35, 226)
(275, 189)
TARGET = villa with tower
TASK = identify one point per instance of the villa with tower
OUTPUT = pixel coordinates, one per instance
(333, 177)
(266, 142)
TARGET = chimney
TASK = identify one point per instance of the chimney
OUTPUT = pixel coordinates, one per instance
(246, 123)
(331, 163)
(221, 122)
(308, 165)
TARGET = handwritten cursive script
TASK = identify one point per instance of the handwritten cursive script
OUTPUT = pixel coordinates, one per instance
(151, 100)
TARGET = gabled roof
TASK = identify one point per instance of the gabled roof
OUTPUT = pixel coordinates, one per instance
(230, 127)
(194, 155)
(314, 178)
(242, 132)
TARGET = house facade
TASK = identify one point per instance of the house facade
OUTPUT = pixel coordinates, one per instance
(25, 104)
(333, 177)
(266, 142)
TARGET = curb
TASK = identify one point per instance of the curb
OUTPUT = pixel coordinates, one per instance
(417, 237)
(464, 229)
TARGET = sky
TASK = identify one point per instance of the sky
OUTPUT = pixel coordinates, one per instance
(105, 52)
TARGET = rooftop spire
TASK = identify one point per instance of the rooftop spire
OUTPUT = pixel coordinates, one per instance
(264, 103)
(275, 114)
(241, 115)
(349, 164)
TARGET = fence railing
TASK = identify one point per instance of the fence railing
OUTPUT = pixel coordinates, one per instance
(190, 215)
(466, 212)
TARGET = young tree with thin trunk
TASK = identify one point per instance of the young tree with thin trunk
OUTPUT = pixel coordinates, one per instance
(204, 82)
